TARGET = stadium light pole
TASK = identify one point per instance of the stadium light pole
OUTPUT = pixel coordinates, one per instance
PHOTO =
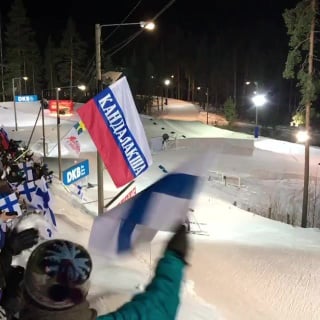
(167, 83)
(100, 167)
(14, 100)
(80, 87)
(207, 93)
(258, 100)
(43, 127)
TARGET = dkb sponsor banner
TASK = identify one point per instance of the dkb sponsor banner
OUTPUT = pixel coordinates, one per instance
(76, 172)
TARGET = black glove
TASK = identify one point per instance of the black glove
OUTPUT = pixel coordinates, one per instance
(16, 242)
(179, 242)
(12, 297)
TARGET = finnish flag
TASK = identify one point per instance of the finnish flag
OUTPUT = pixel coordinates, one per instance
(27, 191)
(160, 207)
(42, 200)
(10, 203)
(27, 168)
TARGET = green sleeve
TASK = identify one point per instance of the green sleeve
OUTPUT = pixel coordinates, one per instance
(161, 298)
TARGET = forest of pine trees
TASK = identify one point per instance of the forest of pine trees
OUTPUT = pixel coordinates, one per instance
(221, 60)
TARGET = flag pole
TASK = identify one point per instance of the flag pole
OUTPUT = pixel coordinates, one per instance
(100, 166)
(118, 194)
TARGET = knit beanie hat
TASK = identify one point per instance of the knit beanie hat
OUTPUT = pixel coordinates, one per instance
(57, 274)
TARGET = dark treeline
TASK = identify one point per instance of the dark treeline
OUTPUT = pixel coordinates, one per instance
(219, 61)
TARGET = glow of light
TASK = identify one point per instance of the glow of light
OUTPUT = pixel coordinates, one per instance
(259, 100)
(302, 136)
(147, 25)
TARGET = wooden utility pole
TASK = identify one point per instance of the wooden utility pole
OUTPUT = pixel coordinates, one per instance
(304, 219)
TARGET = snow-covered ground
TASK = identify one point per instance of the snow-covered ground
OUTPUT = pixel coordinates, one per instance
(242, 265)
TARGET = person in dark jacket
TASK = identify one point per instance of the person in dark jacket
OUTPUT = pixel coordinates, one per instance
(56, 284)
(12, 276)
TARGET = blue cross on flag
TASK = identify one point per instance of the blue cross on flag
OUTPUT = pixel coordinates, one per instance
(27, 190)
(10, 203)
(27, 167)
(42, 200)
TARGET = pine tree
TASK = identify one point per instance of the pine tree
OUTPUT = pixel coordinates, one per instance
(229, 108)
(50, 75)
(300, 22)
(71, 58)
(22, 53)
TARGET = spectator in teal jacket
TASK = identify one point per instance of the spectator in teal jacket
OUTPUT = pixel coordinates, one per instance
(62, 296)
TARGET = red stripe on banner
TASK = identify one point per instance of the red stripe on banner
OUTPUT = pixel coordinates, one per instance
(106, 145)
(129, 195)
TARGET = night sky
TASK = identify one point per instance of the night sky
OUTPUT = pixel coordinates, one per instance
(200, 16)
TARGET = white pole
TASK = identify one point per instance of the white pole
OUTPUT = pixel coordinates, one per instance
(14, 106)
(58, 132)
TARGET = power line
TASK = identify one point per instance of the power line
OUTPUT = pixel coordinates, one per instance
(166, 7)
(132, 37)
(122, 21)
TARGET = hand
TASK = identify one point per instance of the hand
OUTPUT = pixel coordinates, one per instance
(179, 242)
(16, 242)
(6, 216)
(12, 298)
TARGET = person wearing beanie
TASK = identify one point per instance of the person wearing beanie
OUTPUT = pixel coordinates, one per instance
(56, 284)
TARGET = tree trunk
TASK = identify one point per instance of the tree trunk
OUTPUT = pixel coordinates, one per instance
(304, 218)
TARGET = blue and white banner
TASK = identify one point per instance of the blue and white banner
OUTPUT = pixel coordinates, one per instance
(75, 173)
(29, 98)
(161, 206)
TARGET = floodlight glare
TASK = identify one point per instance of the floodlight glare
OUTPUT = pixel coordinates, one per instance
(259, 100)
(302, 136)
(147, 25)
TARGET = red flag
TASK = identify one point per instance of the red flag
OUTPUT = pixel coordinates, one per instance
(113, 122)
(4, 139)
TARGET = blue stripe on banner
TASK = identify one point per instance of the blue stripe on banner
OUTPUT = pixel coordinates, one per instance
(115, 120)
(178, 185)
